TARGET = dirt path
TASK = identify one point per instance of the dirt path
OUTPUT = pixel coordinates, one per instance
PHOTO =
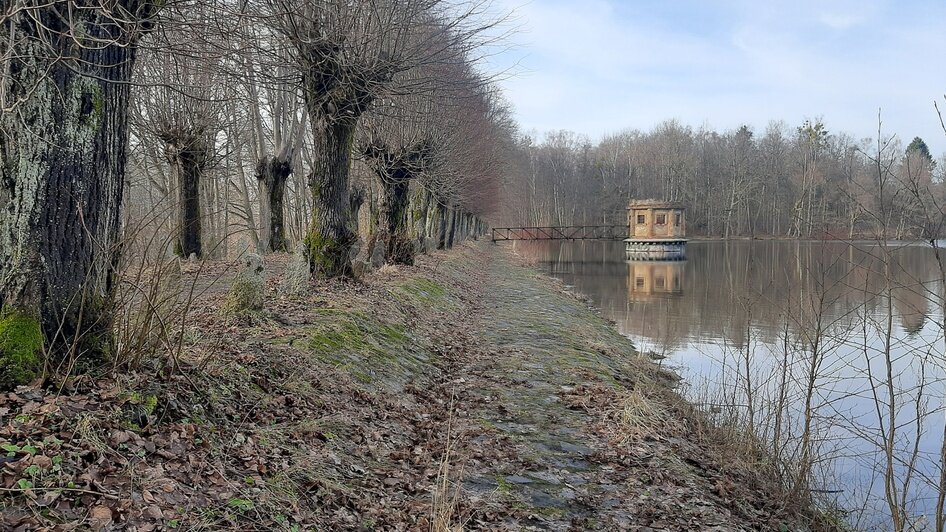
(467, 391)
(541, 356)
(596, 438)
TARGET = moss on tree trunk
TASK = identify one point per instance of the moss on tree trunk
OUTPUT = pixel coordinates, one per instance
(395, 184)
(331, 236)
(21, 346)
(62, 173)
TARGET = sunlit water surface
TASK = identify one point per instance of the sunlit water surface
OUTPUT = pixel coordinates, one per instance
(742, 315)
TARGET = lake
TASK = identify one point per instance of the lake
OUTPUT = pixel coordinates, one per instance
(817, 342)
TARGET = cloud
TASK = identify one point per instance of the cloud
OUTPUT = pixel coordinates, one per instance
(604, 65)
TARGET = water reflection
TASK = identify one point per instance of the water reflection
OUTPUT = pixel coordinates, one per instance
(647, 280)
(706, 297)
(767, 319)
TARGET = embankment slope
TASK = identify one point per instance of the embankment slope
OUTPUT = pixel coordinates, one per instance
(467, 390)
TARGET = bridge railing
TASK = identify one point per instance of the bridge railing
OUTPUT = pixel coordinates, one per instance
(567, 232)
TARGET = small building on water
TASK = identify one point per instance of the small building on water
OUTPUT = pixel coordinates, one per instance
(656, 230)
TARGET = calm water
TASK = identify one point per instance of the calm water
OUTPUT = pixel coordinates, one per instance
(753, 323)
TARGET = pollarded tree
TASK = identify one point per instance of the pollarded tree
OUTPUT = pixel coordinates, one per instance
(278, 120)
(395, 167)
(273, 170)
(408, 138)
(180, 103)
(64, 72)
(349, 53)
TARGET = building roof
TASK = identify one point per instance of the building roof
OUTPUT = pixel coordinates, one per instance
(654, 204)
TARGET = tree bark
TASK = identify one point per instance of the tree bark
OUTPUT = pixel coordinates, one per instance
(273, 173)
(440, 217)
(187, 156)
(62, 173)
(394, 179)
(452, 229)
(331, 237)
(417, 217)
(394, 224)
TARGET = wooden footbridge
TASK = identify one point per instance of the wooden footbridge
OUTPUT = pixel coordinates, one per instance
(655, 230)
(567, 232)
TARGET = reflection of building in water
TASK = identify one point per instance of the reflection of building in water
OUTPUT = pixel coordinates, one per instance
(655, 291)
(648, 280)
(726, 289)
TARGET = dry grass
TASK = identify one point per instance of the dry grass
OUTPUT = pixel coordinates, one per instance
(643, 415)
(445, 513)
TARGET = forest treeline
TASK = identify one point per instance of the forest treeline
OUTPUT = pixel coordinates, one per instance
(348, 131)
(803, 181)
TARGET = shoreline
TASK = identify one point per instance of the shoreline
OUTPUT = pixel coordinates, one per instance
(467, 390)
(856, 240)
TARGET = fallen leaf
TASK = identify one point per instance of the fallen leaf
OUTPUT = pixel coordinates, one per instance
(101, 513)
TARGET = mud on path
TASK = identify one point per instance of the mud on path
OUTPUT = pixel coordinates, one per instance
(467, 392)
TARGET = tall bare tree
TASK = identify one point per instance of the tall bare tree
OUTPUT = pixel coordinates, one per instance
(349, 53)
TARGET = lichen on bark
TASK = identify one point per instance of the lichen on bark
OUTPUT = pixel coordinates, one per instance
(62, 175)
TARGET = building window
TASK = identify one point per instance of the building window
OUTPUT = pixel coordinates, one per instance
(660, 282)
(639, 282)
(661, 219)
(640, 219)
(676, 219)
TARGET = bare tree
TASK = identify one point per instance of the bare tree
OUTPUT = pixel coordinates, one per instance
(349, 54)
(278, 121)
(181, 101)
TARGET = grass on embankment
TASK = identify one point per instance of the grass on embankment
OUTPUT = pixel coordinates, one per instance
(337, 409)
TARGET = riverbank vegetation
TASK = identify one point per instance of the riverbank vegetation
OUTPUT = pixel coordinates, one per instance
(802, 181)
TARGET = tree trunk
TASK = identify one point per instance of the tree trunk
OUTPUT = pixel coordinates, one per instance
(187, 156)
(419, 204)
(331, 237)
(62, 172)
(272, 173)
(430, 231)
(441, 225)
(463, 224)
(392, 214)
(452, 231)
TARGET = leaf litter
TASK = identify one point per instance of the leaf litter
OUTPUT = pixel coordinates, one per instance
(440, 410)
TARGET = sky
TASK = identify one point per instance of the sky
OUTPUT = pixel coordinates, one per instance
(602, 66)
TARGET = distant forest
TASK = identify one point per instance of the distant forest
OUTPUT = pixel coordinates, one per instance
(803, 181)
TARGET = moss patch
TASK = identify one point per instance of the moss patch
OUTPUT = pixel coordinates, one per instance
(21, 343)
(370, 350)
(245, 296)
(327, 257)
